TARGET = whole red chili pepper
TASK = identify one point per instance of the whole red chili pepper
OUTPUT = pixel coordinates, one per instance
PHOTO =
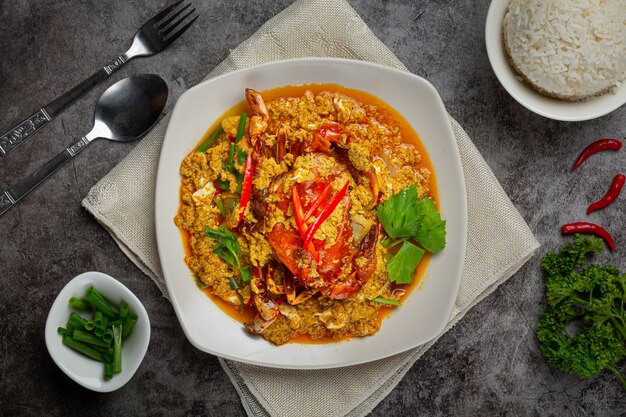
(597, 146)
(246, 188)
(614, 190)
(584, 227)
(326, 212)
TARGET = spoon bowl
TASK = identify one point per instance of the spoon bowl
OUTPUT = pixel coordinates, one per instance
(129, 108)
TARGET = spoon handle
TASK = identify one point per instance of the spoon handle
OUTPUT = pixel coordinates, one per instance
(10, 197)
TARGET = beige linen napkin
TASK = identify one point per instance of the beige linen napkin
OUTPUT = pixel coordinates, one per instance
(499, 242)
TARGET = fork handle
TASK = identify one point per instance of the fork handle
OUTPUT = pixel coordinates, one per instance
(10, 197)
(24, 130)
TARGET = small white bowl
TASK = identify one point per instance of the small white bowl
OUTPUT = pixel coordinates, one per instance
(83, 370)
(527, 96)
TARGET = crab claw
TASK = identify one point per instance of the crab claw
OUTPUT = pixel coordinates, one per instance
(290, 291)
(259, 121)
(353, 283)
(258, 325)
(265, 305)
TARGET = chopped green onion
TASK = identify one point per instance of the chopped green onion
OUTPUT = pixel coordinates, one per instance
(82, 336)
(69, 326)
(98, 332)
(90, 325)
(128, 326)
(83, 348)
(79, 304)
(106, 350)
(98, 301)
(108, 371)
(234, 285)
(108, 336)
(64, 332)
(124, 309)
(230, 163)
(242, 127)
(386, 301)
(210, 141)
(77, 321)
(219, 202)
(97, 319)
(199, 283)
(117, 349)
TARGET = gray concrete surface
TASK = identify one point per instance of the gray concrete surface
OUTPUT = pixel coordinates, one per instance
(489, 364)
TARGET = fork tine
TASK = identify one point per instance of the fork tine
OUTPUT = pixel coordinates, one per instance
(180, 32)
(165, 32)
(171, 19)
(165, 11)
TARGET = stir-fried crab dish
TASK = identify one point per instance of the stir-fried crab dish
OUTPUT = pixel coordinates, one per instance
(291, 212)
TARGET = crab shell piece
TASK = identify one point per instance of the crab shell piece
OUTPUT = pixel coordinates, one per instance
(335, 275)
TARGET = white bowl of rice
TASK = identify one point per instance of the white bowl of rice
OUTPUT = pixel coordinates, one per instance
(562, 59)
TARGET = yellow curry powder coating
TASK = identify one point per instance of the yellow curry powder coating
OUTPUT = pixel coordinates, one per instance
(376, 143)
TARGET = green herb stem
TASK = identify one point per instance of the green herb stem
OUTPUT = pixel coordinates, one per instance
(241, 128)
(383, 300)
(210, 141)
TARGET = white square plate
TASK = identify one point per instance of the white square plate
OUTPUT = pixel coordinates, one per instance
(424, 313)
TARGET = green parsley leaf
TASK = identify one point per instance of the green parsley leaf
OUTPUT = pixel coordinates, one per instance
(383, 300)
(228, 249)
(406, 216)
(402, 266)
(227, 246)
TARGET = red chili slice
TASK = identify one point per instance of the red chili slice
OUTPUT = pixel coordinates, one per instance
(298, 215)
(326, 212)
(597, 146)
(318, 201)
(585, 227)
(612, 194)
(246, 188)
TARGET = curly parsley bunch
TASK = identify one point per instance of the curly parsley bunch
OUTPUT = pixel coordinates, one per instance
(588, 298)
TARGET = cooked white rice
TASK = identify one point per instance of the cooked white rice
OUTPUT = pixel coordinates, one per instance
(571, 49)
